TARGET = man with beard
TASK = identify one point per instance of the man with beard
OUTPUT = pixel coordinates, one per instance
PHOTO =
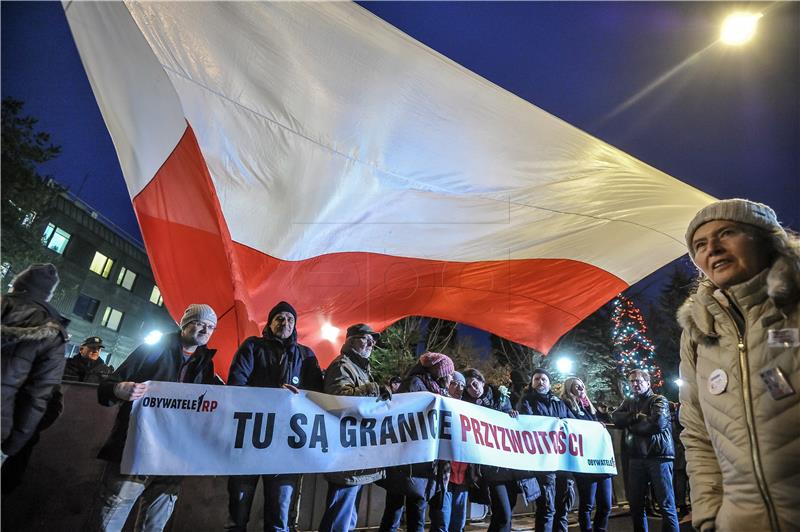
(538, 400)
(272, 360)
(178, 357)
(349, 374)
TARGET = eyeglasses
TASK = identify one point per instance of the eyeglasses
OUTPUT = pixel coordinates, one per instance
(206, 326)
(636, 381)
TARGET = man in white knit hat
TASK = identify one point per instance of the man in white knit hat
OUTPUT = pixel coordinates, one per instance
(177, 357)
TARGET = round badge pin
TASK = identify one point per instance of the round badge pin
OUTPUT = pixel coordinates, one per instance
(717, 381)
(295, 380)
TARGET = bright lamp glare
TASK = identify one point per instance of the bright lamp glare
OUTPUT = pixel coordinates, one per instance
(329, 332)
(564, 365)
(678, 382)
(153, 337)
(739, 28)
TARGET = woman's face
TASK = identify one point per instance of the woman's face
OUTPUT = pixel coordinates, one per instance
(475, 388)
(728, 252)
(578, 389)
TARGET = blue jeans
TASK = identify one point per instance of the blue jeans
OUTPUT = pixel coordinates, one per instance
(393, 512)
(503, 497)
(658, 473)
(341, 508)
(546, 503)
(452, 516)
(118, 494)
(278, 491)
(565, 500)
(591, 490)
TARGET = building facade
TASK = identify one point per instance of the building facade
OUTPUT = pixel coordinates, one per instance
(107, 287)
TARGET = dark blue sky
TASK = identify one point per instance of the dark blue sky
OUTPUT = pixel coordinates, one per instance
(727, 122)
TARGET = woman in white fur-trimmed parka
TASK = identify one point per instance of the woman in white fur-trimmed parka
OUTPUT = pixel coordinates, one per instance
(740, 361)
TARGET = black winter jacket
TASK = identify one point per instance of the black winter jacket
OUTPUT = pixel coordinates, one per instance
(82, 369)
(537, 404)
(650, 435)
(267, 362)
(33, 338)
(158, 362)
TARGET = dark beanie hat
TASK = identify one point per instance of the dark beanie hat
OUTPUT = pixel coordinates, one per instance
(283, 306)
(38, 280)
(543, 372)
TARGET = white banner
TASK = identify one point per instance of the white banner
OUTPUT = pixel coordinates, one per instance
(194, 429)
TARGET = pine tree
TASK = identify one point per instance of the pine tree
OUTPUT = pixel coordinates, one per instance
(633, 348)
(665, 331)
(25, 193)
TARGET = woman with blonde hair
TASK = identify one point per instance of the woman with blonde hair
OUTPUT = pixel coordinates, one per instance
(592, 489)
(740, 362)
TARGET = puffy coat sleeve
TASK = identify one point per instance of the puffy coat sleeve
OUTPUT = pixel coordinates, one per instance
(242, 364)
(701, 462)
(33, 396)
(312, 377)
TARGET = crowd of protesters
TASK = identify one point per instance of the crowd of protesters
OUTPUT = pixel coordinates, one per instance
(739, 360)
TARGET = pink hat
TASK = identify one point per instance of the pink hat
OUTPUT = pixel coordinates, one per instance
(438, 364)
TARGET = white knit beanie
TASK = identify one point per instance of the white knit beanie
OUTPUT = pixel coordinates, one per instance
(736, 210)
(198, 311)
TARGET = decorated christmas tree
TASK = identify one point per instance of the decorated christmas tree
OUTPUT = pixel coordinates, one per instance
(632, 347)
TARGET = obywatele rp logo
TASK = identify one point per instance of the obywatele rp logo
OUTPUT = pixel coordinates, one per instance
(201, 404)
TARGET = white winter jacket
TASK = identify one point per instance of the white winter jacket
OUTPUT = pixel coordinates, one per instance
(742, 446)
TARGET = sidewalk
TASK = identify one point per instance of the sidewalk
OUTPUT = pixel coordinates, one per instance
(620, 522)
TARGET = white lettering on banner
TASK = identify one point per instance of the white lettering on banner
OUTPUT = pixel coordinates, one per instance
(193, 429)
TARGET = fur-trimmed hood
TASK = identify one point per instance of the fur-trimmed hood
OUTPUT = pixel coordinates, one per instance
(782, 282)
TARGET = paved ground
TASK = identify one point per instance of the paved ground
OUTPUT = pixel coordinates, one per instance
(620, 522)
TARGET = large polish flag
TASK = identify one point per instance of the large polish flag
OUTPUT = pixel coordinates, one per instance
(313, 153)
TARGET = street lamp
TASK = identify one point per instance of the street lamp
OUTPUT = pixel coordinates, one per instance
(564, 365)
(678, 382)
(738, 28)
(153, 337)
(329, 332)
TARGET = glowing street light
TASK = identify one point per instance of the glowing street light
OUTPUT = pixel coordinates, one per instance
(329, 332)
(564, 365)
(678, 382)
(153, 337)
(739, 28)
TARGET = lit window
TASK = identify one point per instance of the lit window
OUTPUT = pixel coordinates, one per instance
(55, 238)
(155, 296)
(28, 219)
(126, 278)
(111, 318)
(101, 265)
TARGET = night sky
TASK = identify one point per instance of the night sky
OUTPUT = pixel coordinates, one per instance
(726, 121)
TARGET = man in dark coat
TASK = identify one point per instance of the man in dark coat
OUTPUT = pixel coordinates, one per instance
(272, 360)
(177, 357)
(538, 400)
(649, 444)
(33, 339)
(86, 366)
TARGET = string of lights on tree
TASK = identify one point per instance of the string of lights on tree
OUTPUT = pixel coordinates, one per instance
(632, 348)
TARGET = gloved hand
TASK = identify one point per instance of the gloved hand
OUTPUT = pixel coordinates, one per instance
(384, 393)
